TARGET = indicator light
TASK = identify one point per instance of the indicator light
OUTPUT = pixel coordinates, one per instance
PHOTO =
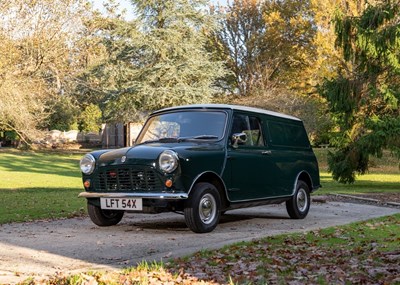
(168, 183)
(86, 184)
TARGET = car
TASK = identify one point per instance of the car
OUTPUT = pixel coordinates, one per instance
(203, 160)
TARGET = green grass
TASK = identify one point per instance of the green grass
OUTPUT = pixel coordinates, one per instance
(388, 163)
(368, 183)
(38, 185)
(383, 176)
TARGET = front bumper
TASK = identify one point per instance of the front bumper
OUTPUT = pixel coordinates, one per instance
(167, 196)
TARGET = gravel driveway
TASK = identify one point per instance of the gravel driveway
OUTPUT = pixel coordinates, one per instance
(43, 248)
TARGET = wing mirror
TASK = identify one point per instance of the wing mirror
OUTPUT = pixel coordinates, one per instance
(238, 139)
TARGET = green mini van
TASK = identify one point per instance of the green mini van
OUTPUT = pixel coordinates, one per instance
(203, 160)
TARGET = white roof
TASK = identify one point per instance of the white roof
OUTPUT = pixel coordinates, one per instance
(231, 107)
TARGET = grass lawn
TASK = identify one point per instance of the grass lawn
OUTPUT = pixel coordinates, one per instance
(383, 176)
(37, 185)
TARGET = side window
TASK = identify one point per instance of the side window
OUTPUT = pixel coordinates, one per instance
(285, 134)
(249, 125)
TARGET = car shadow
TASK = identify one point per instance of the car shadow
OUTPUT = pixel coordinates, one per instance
(179, 224)
(233, 217)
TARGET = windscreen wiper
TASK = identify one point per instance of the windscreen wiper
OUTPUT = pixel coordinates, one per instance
(204, 137)
(163, 140)
(177, 140)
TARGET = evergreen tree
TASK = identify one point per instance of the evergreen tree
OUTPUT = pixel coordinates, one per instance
(159, 60)
(63, 114)
(364, 96)
(90, 119)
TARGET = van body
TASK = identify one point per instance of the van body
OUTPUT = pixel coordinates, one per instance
(203, 160)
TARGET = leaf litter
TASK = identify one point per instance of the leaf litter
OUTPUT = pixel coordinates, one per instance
(362, 253)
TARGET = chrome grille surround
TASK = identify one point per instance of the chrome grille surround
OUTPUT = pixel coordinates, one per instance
(126, 178)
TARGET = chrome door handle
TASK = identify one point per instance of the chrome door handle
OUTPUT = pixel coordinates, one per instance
(266, 152)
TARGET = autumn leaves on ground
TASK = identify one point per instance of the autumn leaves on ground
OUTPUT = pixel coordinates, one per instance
(361, 253)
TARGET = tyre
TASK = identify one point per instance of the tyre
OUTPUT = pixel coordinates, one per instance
(299, 205)
(202, 208)
(104, 218)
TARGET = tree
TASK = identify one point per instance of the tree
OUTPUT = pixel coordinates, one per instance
(239, 41)
(364, 96)
(266, 42)
(103, 38)
(177, 68)
(157, 60)
(37, 60)
(62, 112)
(90, 119)
(278, 52)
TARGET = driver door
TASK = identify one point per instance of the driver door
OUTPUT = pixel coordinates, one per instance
(249, 161)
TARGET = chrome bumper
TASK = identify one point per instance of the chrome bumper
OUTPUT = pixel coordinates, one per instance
(168, 196)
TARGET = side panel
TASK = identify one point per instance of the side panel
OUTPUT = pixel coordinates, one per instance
(288, 164)
(270, 170)
(251, 175)
(292, 153)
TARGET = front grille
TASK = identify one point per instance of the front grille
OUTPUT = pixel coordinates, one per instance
(128, 179)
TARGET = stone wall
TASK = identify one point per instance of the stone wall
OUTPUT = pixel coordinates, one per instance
(110, 136)
(60, 137)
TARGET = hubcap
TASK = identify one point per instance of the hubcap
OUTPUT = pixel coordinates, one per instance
(207, 208)
(302, 200)
(110, 214)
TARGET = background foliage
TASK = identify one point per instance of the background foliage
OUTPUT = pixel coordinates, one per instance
(334, 64)
(364, 95)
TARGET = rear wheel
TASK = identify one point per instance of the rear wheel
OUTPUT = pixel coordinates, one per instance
(299, 205)
(104, 218)
(202, 208)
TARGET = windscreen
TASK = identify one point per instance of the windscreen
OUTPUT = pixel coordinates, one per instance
(185, 125)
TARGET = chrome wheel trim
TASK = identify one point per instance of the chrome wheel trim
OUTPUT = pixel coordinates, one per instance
(302, 200)
(207, 208)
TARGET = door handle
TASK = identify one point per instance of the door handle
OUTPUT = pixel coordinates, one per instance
(266, 152)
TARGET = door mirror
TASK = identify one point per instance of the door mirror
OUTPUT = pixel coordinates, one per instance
(238, 139)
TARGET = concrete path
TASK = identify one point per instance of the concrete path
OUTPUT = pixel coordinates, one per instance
(43, 248)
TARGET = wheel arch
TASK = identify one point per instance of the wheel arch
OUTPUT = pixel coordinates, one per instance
(303, 176)
(216, 180)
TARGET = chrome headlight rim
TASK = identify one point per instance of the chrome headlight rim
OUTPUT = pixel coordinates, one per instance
(168, 161)
(87, 164)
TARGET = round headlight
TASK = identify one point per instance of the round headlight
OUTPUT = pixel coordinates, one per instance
(168, 161)
(87, 164)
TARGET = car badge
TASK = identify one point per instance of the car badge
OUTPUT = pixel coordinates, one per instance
(123, 159)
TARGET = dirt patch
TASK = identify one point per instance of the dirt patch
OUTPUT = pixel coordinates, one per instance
(384, 197)
(379, 199)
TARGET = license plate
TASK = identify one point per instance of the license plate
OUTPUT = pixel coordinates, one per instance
(131, 204)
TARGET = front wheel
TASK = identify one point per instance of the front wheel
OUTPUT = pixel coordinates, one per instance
(104, 218)
(299, 205)
(202, 208)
